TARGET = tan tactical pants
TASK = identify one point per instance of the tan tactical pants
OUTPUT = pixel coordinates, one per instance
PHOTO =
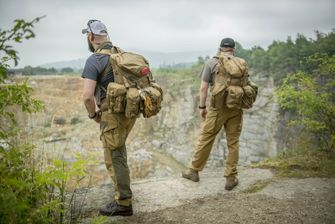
(231, 119)
(114, 131)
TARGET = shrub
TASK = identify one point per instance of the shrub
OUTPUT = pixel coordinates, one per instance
(311, 97)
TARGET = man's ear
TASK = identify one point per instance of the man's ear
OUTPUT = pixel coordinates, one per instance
(90, 37)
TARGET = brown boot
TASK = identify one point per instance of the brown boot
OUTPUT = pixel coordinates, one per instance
(191, 175)
(114, 209)
(231, 182)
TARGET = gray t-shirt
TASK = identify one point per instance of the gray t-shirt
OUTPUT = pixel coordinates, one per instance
(94, 67)
(208, 71)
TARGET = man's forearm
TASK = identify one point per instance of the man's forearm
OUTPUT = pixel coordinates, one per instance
(88, 96)
(203, 97)
(203, 93)
(90, 106)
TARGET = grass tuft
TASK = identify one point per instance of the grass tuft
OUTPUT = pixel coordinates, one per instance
(301, 163)
(258, 186)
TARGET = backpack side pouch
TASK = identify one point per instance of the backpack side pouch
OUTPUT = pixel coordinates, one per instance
(152, 99)
(234, 97)
(249, 96)
(133, 103)
(116, 97)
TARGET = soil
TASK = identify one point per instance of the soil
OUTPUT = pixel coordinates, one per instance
(308, 201)
(245, 208)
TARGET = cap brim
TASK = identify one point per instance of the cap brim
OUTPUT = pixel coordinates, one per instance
(84, 31)
(228, 45)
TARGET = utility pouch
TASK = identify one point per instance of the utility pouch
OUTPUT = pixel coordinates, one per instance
(133, 103)
(249, 96)
(152, 98)
(218, 100)
(234, 97)
(116, 97)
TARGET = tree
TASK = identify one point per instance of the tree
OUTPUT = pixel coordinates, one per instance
(18, 194)
(14, 94)
(311, 98)
(67, 70)
(28, 70)
(30, 191)
(201, 60)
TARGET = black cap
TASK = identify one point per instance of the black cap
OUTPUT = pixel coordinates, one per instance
(227, 42)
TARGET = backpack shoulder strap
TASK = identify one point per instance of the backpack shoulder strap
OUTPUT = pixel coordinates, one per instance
(107, 68)
(239, 63)
(113, 52)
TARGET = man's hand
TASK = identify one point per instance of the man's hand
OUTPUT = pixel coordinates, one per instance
(203, 113)
(98, 117)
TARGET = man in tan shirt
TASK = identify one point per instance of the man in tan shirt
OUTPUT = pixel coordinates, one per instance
(215, 118)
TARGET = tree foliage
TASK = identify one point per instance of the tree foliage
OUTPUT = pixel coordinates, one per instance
(28, 70)
(13, 93)
(21, 30)
(313, 105)
(311, 96)
(304, 71)
(31, 190)
(284, 57)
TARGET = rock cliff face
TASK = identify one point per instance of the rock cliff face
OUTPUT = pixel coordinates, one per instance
(258, 139)
(175, 130)
(157, 147)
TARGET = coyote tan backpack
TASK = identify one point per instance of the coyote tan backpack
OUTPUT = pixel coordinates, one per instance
(231, 86)
(134, 90)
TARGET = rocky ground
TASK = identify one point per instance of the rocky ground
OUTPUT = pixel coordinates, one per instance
(260, 198)
(308, 207)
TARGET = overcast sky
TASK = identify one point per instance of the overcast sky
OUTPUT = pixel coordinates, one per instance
(162, 25)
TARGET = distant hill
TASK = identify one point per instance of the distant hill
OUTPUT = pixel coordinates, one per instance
(74, 64)
(156, 59)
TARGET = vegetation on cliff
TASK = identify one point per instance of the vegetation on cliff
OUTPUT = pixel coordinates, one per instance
(304, 71)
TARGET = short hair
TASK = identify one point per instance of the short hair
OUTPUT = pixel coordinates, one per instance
(225, 49)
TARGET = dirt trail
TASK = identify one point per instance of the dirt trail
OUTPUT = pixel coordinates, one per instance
(175, 200)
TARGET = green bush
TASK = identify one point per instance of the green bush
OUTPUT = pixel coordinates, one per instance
(311, 98)
(31, 190)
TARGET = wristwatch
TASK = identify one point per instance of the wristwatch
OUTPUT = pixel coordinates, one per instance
(92, 117)
(202, 107)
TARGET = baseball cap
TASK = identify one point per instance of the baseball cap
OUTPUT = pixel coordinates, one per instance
(227, 42)
(96, 27)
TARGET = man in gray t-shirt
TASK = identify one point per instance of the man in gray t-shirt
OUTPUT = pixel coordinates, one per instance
(114, 127)
(94, 68)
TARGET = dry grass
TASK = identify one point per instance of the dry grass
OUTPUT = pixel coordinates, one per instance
(258, 186)
(301, 163)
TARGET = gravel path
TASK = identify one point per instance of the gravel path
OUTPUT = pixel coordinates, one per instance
(310, 200)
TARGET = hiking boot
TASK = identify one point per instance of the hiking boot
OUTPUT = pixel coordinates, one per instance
(191, 175)
(113, 209)
(231, 183)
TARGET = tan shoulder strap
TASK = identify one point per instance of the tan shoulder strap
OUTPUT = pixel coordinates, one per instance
(104, 51)
(118, 78)
(245, 76)
(113, 50)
